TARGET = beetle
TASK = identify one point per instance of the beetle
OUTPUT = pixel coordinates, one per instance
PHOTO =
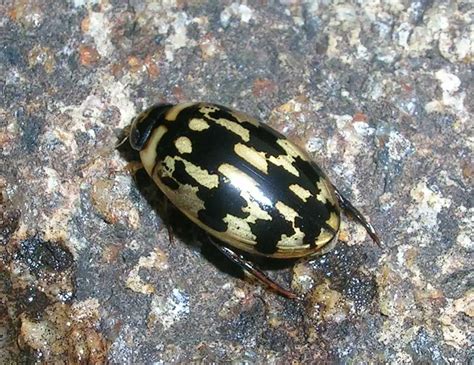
(242, 182)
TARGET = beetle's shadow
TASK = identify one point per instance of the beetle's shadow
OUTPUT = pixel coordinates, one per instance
(185, 230)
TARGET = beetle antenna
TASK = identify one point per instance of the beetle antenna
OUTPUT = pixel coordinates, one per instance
(125, 139)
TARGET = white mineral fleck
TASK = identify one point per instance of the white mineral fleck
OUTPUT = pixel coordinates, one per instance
(100, 30)
(241, 11)
(428, 205)
(169, 310)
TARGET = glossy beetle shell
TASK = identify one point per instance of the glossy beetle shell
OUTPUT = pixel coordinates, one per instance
(241, 181)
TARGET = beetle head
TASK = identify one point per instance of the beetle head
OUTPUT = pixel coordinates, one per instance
(144, 124)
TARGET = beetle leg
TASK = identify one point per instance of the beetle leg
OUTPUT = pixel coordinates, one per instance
(133, 166)
(248, 267)
(122, 141)
(166, 207)
(348, 208)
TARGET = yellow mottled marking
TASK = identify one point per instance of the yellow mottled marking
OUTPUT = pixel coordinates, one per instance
(198, 125)
(286, 162)
(253, 157)
(206, 109)
(324, 195)
(166, 167)
(300, 192)
(183, 145)
(248, 187)
(323, 237)
(296, 238)
(148, 153)
(254, 210)
(292, 241)
(231, 126)
(239, 227)
(291, 149)
(172, 114)
(203, 177)
(250, 191)
(186, 199)
(241, 117)
(333, 221)
(235, 128)
(287, 212)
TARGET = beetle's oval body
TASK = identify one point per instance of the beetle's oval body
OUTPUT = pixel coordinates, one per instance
(238, 179)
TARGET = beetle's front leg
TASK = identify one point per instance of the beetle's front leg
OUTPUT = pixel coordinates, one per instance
(347, 206)
(249, 267)
(133, 167)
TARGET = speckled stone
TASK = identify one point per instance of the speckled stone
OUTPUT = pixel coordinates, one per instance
(380, 94)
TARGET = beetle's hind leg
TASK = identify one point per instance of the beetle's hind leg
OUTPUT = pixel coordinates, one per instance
(167, 213)
(349, 209)
(249, 267)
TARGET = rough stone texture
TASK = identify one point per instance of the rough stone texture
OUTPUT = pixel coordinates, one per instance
(380, 94)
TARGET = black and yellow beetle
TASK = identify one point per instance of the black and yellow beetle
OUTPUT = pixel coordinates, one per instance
(241, 181)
